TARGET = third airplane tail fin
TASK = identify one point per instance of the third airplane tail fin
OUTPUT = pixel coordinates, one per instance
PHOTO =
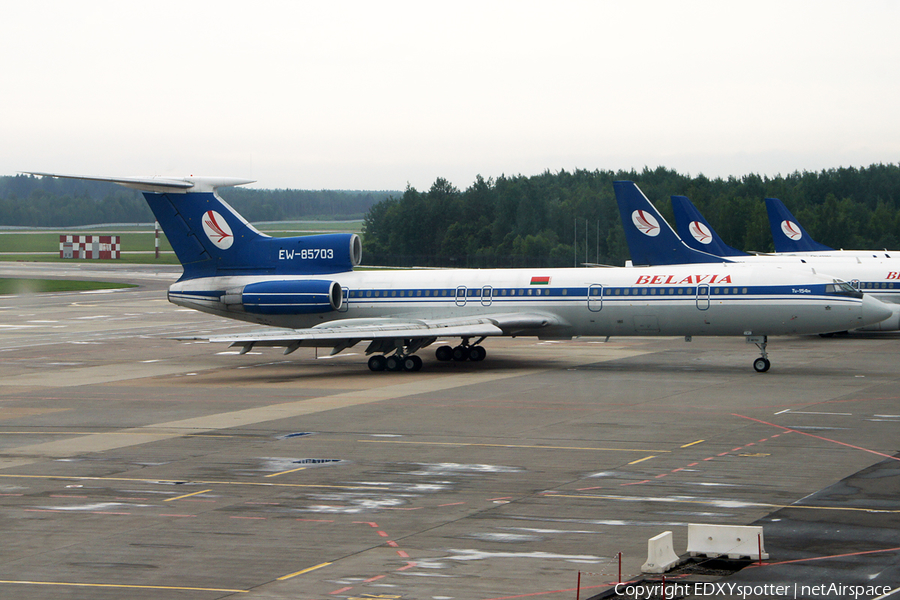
(697, 232)
(651, 240)
(788, 234)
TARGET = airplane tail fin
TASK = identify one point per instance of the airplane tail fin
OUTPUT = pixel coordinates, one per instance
(788, 234)
(210, 238)
(651, 240)
(697, 232)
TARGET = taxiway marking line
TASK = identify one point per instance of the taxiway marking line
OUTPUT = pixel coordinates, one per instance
(634, 462)
(787, 562)
(890, 593)
(136, 480)
(733, 503)
(692, 444)
(286, 472)
(818, 437)
(124, 586)
(508, 446)
(186, 495)
(307, 570)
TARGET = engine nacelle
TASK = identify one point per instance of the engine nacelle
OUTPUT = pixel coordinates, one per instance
(289, 297)
(316, 254)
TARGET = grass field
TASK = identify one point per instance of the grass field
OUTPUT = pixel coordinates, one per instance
(10, 286)
(20, 245)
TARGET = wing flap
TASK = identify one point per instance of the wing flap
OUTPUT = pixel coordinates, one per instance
(344, 334)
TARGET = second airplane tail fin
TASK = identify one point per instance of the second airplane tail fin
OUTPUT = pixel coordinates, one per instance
(651, 240)
(696, 231)
(788, 234)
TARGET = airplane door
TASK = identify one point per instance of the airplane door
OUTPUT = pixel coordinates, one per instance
(486, 295)
(595, 297)
(461, 295)
(856, 284)
(703, 296)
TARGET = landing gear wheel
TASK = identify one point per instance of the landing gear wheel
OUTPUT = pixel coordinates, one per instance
(460, 353)
(444, 353)
(761, 364)
(377, 363)
(477, 353)
(412, 363)
(393, 363)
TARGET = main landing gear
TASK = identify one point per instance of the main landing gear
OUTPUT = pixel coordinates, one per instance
(395, 362)
(761, 364)
(461, 353)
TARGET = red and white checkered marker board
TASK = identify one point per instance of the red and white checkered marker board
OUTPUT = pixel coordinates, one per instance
(89, 246)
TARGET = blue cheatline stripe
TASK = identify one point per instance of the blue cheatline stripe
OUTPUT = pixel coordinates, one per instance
(572, 294)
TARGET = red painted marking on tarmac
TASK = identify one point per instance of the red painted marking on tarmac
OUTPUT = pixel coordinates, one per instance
(383, 533)
(369, 523)
(165, 515)
(393, 544)
(676, 470)
(409, 565)
(786, 562)
(376, 578)
(818, 437)
(439, 505)
(724, 453)
(257, 518)
(661, 475)
(106, 512)
(65, 496)
(341, 590)
(596, 487)
(317, 520)
(637, 482)
(763, 440)
(693, 464)
(402, 554)
(750, 444)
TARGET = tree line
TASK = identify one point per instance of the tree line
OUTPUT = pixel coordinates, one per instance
(28, 201)
(570, 218)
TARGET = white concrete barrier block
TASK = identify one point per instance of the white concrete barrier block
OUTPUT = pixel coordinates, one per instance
(733, 541)
(660, 554)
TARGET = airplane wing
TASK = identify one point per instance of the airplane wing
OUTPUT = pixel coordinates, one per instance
(385, 334)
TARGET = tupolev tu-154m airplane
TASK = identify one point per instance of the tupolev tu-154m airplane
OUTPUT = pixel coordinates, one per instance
(307, 290)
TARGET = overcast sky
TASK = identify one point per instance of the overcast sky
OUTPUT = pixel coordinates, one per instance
(375, 95)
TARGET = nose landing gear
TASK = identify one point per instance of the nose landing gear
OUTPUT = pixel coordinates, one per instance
(761, 364)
